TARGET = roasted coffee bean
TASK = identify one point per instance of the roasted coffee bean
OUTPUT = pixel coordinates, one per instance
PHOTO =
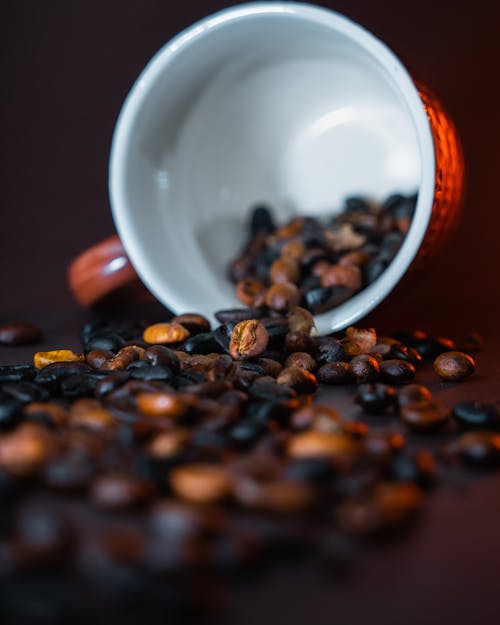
(162, 404)
(24, 450)
(271, 367)
(364, 368)
(110, 383)
(270, 390)
(52, 375)
(284, 270)
(302, 360)
(412, 393)
(396, 371)
(376, 398)
(262, 220)
(277, 329)
(222, 334)
(107, 341)
(300, 320)
(20, 333)
(400, 351)
(17, 373)
(193, 322)
(50, 414)
(90, 414)
(202, 343)
(425, 415)
(251, 292)
(78, 386)
(165, 333)
(161, 355)
(316, 444)
(299, 342)
(477, 415)
(248, 340)
(419, 467)
(335, 373)
(330, 349)
(124, 358)
(189, 378)
(235, 315)
(322, 299)
(98, 357)
(10, 412)
(454, 366)
(283, 297)
(480, 449)
(281, 496)
(43, 359)
(430, 349)
(301, 380)
(25, 391)
(246, 432)
(158, 372)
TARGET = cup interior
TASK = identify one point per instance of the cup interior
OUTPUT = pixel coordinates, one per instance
(287, 105)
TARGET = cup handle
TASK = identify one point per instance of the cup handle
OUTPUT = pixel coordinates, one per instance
(104, 274)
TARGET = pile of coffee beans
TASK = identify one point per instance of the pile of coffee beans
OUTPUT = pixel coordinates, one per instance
(163, 454)
(319, 263)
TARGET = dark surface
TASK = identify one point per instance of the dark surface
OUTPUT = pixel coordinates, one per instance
(66, 67)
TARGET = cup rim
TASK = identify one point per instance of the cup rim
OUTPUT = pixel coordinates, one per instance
(366, 300)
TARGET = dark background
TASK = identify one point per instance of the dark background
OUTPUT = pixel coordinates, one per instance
(66, 67)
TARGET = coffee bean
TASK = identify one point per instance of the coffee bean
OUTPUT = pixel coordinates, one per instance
(162, 404)
(480, 449)
(376, 398)
(43, 359)
(419, 467)
(165, 333)
(50, 414)
(335, 373)
(299, 342)
(148, 372)
(193, 322)
(477, 415)
(430, 349)
(24, 450)
(300, 320)
(425, 415)
(236, 315)
(161, 355)
(396, 371)
(69, 472)
(17, 373)
(98, 357)
(248, 340)
(262, 221)
(413, 393)
(403, 352)
(283, 297)
(251, 292)
(302, 360)
(330, 349)
(322, 299)
(105, 341)
(78, 386)
(321, 444)
(200, 483)
(301, 380)
(25, 391)
(472, 343)
(454, 366)
(202, 343)
(246, 432)
(364, 368)
(20, 333)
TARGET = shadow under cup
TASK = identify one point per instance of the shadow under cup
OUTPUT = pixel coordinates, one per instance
(287, 105)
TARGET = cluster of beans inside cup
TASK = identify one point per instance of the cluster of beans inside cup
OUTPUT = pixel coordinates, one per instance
(319, 263)
(203, 448)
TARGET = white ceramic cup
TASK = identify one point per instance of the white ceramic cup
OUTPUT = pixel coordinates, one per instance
(285, 104)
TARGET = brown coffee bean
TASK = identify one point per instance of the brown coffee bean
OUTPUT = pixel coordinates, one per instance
(412, 393)
(89, 413)
(342, 275)
(20, 333)
(335, 373)
(300, 320)
(116, 491)
(454, 366)
(425, 415)
(46, 412)
(284, 270)
(162, 404)
(42, 359)
(283, 296)
(251, 292)
(291, 229)
(96, 358)
(271, 367)
(161, 355)
(299, 342)
(396, 371)
(364, 368)
(25, 450)
(293, 250)
(124, 357)
(354, 258)
(364, 338)
(301, 380)
(248, 339)
(201, 483)
(193, 322)
(168, 443)
(165, 333)
(303, 360)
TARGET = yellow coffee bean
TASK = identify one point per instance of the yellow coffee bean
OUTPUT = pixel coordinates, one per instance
(42, 359)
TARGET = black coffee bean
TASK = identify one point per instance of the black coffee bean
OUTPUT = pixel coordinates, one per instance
(329, 349)
(430, 348)
(110, 383)
(78, 385)
(335, 373)
(203, 343)
(25, 391)
(235, 315)
(277, 329)
(396, 371)
(356, 203)
(222, 334)
(188, 378)
(375, 398)
(157, 372)
(104, 340)
(262, 221)
(477, 415)
(400, 351)
(52, 375)
(10, 412)
(271, 391)
(325, 298)
(161, 355)
(17, 373)
(264, 411)
(252, 366)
